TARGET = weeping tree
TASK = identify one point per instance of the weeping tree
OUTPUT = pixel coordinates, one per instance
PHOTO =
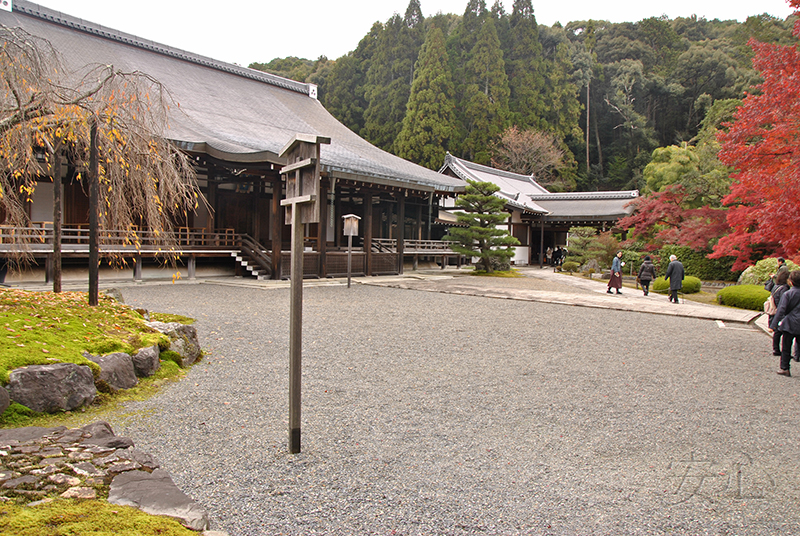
(48, 116)
(481, 237)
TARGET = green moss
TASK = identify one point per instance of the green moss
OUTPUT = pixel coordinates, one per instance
(170, 356)
(44, 327)
(167, 318)
(743, 296)
(498, 273)
(98, 518)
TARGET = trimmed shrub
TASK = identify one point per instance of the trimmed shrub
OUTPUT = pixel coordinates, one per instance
(570, 266)
(743, 296)
(758, 274)
(691, 285)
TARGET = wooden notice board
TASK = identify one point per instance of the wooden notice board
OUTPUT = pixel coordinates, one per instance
(302, 175)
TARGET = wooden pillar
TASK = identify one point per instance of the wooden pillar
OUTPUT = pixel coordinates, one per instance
(276, 227)
(322, 235)
(137, 268)
(258, 187)
(541, 242)
(401, 229)
(368, 231)
(192, 266)
(212, 200)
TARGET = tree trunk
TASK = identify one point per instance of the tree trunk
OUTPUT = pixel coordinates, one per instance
(94, 195)
(588, 101)
(57, 217)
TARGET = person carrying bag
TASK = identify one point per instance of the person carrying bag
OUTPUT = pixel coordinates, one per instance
(787, 321)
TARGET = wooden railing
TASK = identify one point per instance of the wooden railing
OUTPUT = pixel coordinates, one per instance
(412, 247)
(76, 238)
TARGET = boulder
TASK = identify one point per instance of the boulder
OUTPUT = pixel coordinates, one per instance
(114, 293)
(116, 370)
(102, 435)
(52, 388)
(155, 493)
(146, 361)
(28, 433)
(183, 340)
(5, 400)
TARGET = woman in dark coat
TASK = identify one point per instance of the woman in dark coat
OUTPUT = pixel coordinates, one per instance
(647, 272)
(787, 320)
(781, 286)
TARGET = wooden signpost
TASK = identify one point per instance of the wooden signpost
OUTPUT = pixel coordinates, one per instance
(302, 175)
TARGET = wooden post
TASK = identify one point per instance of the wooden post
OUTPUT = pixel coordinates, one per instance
(94, 202)
(302, 207)
(368, 231)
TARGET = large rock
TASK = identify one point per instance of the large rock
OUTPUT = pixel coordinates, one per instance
(116, 370)
(52, 388)
(102, 435)
(5, 400)
(155, 493)
(183, 340)
(146, 361)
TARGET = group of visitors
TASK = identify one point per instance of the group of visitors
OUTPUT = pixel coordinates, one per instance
(555, 257)
(647, 273)
(784, 322)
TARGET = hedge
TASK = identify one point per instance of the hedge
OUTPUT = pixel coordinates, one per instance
(696, 263)
(691, 285)
(743, 296)
(570, 266)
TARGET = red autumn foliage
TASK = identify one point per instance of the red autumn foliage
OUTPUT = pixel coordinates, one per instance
(763, 145)
(660, 218)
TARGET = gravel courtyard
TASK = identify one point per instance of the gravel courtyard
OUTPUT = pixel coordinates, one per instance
(438, 414)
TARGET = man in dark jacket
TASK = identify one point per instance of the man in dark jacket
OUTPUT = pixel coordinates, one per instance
(787, 320)
(770, 284)
(675, 275)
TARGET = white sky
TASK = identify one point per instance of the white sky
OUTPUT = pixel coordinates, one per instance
(245, 31)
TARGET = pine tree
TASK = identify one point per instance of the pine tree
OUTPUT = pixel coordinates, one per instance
(486, 95)
(483, 212)
(429, 121)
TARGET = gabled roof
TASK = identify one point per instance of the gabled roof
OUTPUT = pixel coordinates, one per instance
(229, 112)
(514, 188)
(524, 193)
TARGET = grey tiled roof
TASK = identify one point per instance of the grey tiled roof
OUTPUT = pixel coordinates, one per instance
(231, 112)
(524, 193)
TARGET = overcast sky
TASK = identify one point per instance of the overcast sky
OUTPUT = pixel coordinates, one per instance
(246, 31)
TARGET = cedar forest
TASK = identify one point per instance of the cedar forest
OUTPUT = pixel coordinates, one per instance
(701, 116)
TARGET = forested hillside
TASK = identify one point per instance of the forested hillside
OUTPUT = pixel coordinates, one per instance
(604, 96)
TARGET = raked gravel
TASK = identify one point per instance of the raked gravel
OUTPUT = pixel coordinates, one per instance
(437, 414)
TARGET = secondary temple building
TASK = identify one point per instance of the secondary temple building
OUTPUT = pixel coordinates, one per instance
(540, 219)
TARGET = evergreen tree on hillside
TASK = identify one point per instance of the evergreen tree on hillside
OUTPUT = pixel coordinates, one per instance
(390, 75)
(429, 121)
(485, 96)
(526, 70)
(345, 87)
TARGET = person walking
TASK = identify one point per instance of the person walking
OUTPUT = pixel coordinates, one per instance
(675, 274)
(616, 274)
(771, 282)
(787, 320)
(781, 286)
(647, 272)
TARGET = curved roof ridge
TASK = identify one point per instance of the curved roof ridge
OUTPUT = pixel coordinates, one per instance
(57, 17)
(450, 159)
(623, 194)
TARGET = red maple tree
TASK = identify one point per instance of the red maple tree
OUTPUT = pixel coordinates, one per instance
(663, 218)
(763, 145)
